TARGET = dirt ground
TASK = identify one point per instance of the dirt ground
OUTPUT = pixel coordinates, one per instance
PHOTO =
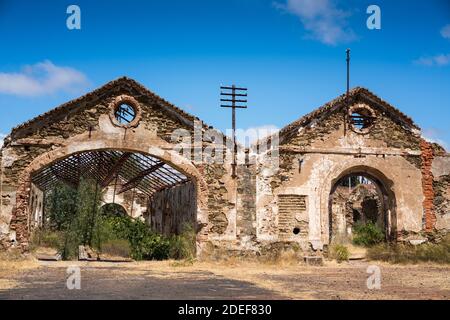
(169, 280)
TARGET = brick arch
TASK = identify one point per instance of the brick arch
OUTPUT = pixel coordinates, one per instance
(20, 215)
(384, 184)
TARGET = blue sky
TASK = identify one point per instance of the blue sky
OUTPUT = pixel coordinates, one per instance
(289, 53)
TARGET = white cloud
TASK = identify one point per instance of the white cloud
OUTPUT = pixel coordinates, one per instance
(40, 79)
(445, 31)
(248, 136)
(433, 135)
(437, 60)
(2, 137)
(322, 19)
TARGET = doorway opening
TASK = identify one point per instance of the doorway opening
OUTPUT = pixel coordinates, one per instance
(359, 199)
(131, 189)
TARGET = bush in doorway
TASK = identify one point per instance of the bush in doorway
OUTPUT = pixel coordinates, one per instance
(367, 234)
(144, 244)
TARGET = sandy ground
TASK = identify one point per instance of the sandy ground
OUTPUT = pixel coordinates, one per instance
(214, 280)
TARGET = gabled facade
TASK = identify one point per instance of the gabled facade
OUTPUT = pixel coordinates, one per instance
(300, 202)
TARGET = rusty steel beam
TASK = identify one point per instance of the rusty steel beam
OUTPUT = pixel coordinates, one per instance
(115, 169)
(137, 179)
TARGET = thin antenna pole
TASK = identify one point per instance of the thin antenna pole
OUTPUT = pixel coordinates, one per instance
(347, 93)
(348, 72)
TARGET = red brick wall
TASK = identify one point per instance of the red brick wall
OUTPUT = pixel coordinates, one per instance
(427, 185)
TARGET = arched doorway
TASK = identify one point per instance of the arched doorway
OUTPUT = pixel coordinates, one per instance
(113, 209)
(361, 195)
(146, 161)
(131, 183)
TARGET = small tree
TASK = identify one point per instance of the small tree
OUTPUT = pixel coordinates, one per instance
(60, 206)
(88, 209)
(76, 214)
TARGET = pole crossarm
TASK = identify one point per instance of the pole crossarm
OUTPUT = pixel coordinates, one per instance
(234, 94)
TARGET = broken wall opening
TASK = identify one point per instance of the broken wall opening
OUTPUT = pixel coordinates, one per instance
(130, 183)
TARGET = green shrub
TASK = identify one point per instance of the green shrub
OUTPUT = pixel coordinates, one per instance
(61, 206)
(367, 234)
(183, 246)
(340, 253)
(144, 244)
(78, 217)
(88, 211)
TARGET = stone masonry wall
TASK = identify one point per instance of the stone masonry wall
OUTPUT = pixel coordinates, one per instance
(427, 184)
(88, 118)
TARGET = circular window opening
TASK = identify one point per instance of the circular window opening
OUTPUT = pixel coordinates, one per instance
(125, 114)
(296, 230)
(361, 119)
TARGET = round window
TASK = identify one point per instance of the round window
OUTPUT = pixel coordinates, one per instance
(125, 114)
(361, 118)
(125, 111)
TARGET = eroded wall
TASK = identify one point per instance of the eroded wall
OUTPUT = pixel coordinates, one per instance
(441, 186)
(173, 210)
(314, 157)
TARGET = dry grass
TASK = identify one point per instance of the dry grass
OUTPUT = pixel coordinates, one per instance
(407, 254)
(290, 280)
(11, 263)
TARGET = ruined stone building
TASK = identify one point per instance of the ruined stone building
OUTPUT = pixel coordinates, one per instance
(122, 135)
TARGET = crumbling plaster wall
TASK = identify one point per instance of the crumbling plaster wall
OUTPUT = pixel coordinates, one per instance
(312, 160)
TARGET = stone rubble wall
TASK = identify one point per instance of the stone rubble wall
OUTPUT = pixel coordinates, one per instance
(441, 186)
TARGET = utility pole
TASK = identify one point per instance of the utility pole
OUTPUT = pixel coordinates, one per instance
(348, 71)
(346, 109)
(236, 96)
